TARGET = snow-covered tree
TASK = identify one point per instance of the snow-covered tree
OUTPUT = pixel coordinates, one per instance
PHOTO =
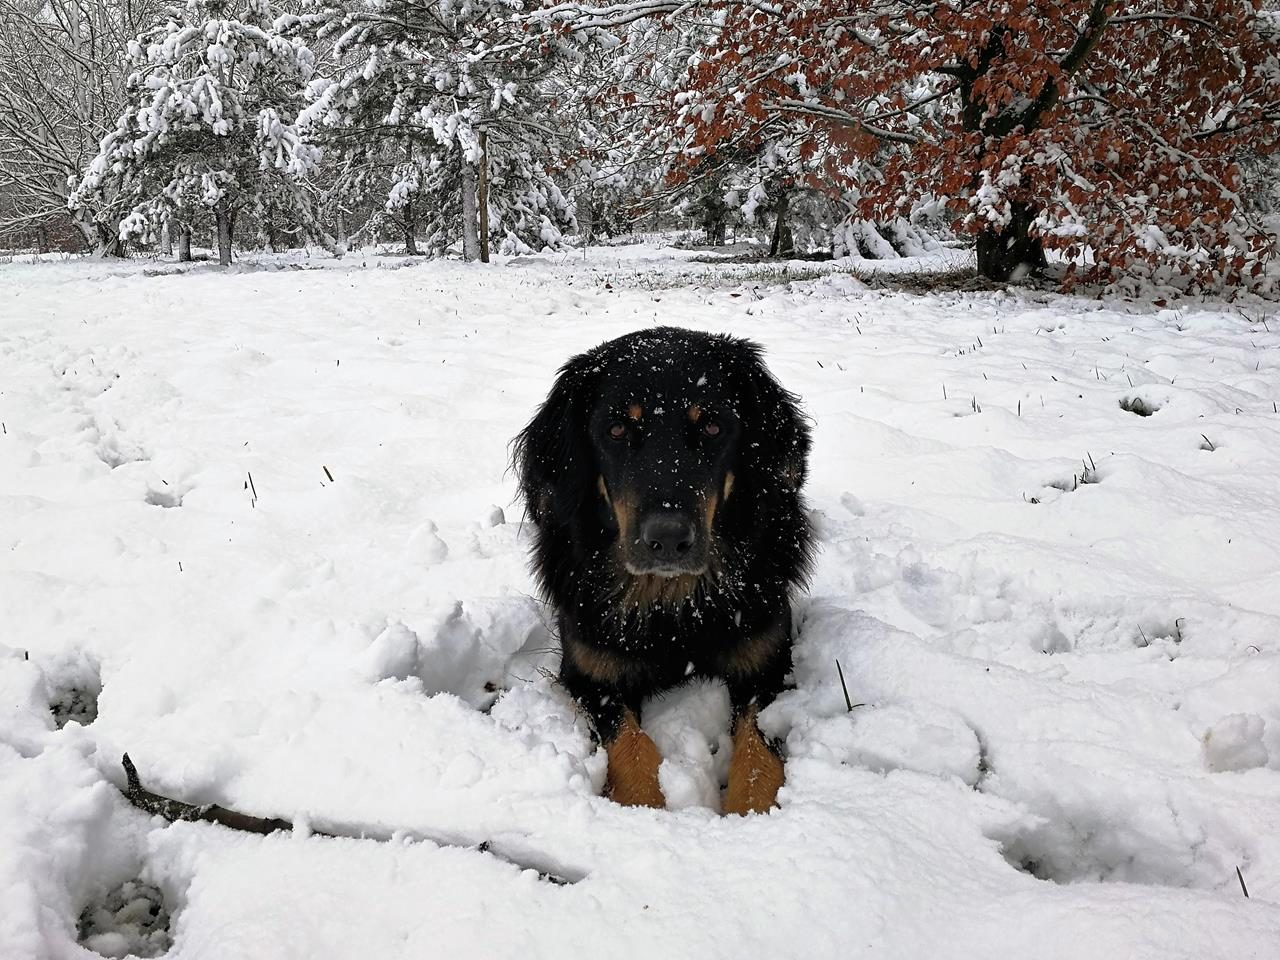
(453, 96)
(627, 94)
(62, 86)
(213, 126)
(1112, 133)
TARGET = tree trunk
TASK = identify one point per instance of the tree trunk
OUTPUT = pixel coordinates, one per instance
(410, 230)
(109, 242)
(102, 238)
(470, 239)
(484, 197)
(225, 227)
(340, 234)
(1011, 253)
(166, 239)
(184, 243)
(715, 212)
(586, 216)
(717, 233)
(782, 244)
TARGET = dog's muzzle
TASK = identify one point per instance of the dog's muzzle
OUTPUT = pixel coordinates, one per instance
(668, 545)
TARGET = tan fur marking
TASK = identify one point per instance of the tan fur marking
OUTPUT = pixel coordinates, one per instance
(755, 771)
(751, 655)
(633, 767)
(728, 484)
(604, 490)
(646, 589)
(623, 510)
(695, 412)
(635, 411)
(598, 664)
(709, 510)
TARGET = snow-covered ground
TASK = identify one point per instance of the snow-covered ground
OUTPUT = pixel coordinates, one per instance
(256, 529)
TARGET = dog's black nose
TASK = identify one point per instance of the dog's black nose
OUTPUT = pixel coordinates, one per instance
(667, 535)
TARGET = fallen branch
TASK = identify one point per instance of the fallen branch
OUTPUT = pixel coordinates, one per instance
(178, 810)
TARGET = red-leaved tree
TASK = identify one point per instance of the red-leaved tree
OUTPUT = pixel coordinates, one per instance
(1111, 133)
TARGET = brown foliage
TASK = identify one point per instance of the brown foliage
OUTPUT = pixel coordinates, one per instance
(1110, 133)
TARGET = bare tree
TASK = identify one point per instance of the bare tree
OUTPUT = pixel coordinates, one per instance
(63, 67)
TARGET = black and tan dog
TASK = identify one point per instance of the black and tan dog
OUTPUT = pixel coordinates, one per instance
(663, 475)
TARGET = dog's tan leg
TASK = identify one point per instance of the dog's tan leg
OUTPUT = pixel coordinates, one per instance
(633, 767)
(755, 771)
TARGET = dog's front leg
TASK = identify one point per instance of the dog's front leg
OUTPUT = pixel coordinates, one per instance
(755, 771)
(633, 757)
(633, 766)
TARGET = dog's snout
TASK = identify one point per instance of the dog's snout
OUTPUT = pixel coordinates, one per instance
(668, 536)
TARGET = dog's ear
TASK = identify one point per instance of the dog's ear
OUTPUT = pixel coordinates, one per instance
(778, 427)
(552, 455)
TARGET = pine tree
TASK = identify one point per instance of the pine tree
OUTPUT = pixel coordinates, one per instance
(420, 85)
(213, 126)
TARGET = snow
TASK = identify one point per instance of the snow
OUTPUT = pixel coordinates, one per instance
(259, 532)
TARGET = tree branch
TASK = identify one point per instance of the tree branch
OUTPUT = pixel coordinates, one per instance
(175, 811)
(839, 117)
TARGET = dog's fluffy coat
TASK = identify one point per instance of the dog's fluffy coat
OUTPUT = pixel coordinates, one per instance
(687, 429)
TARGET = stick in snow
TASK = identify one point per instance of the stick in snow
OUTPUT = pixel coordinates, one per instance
(178, 810)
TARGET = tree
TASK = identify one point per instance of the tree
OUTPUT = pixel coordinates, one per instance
(630, 113)
(212, 127)
(417, 84)
(62, 86)
(1108, 133)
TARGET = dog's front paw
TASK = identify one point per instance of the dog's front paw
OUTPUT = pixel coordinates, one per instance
(633, 767)
(755, 772)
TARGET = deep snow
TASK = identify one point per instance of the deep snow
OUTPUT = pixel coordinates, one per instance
(257, 531)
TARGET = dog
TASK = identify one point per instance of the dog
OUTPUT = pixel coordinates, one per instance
(663, 477)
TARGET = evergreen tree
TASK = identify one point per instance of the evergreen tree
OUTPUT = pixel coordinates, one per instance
(213, 125)
(436, 99)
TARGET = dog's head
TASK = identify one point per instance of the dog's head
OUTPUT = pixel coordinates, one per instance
(651, 438)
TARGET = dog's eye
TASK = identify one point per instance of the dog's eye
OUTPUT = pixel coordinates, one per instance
(618, 431)
(711, 428)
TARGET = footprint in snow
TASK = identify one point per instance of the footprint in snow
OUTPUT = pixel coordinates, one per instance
(130, 920)
(167, 497)
(1236, 742)
(115, 451)
(74, 689)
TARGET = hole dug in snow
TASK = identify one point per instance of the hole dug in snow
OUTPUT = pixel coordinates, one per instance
(1086, 475)
(1100, 835)
(1072, 853)
(74, 695)
(164, 497)
(1142, 406)
(129, 920)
